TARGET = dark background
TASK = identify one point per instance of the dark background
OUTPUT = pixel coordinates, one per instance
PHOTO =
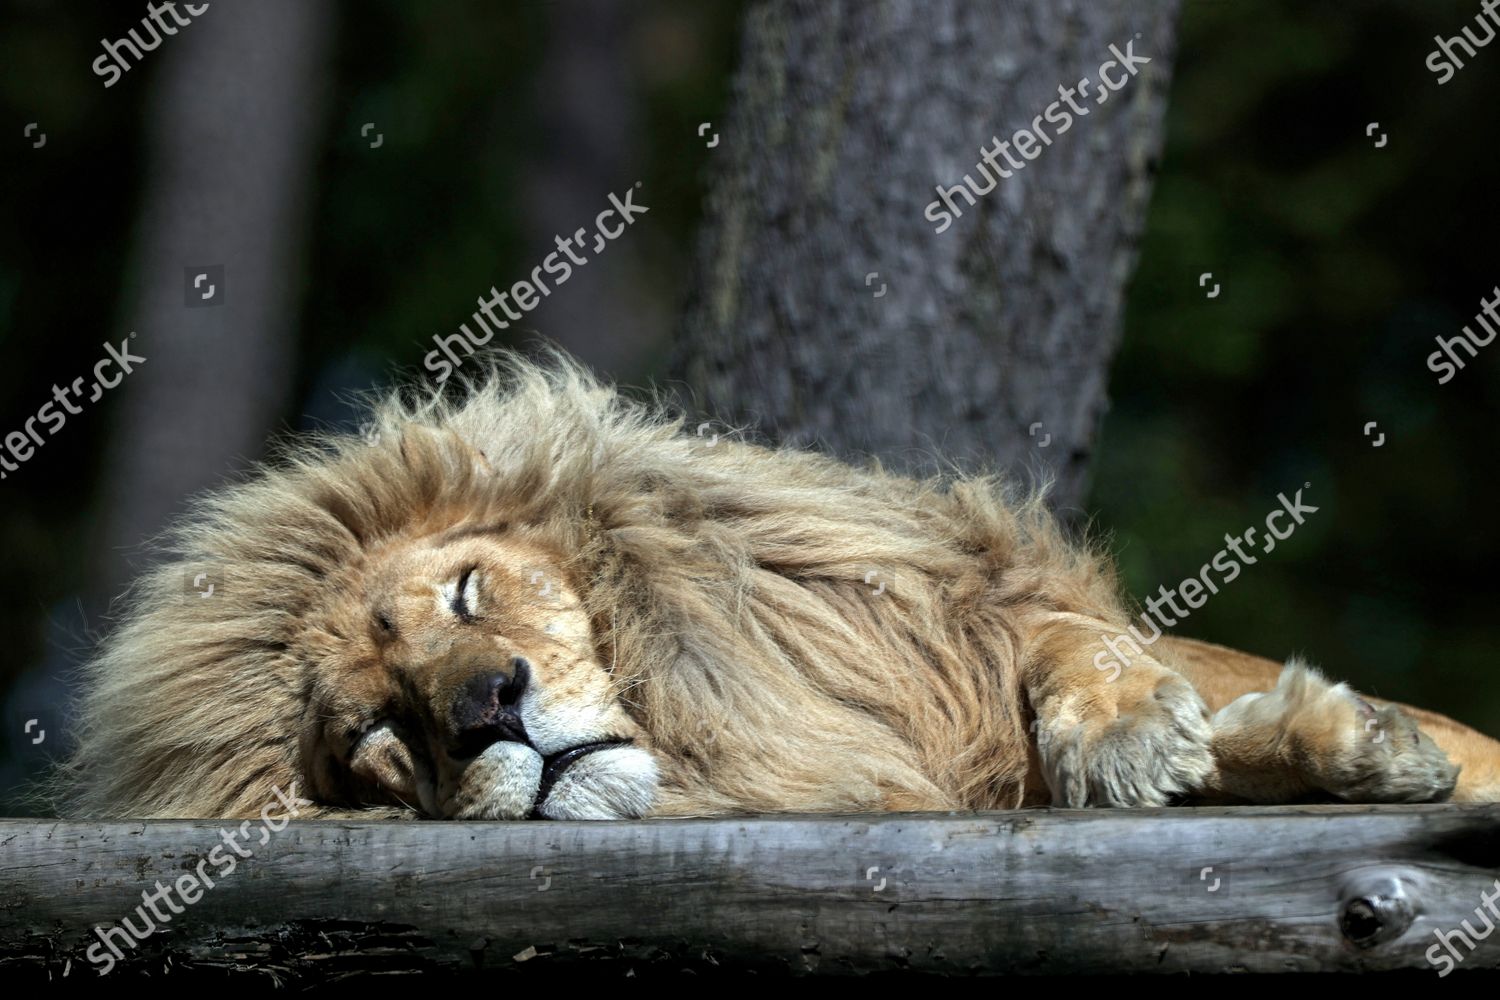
(1339, 263)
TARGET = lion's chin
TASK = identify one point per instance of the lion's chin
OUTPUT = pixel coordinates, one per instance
(617, 782)
(507, 779)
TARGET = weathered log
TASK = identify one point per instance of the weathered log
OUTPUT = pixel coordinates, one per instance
(1318, 888)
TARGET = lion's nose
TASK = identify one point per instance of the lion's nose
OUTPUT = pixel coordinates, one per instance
(487, 709)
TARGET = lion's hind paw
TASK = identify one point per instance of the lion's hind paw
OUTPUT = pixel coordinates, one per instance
(1325, 737)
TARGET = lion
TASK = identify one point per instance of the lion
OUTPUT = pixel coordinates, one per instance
(541, 599)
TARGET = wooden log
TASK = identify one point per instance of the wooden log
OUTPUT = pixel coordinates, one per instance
(1316, 888)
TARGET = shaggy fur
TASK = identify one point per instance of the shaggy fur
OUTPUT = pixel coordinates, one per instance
(735, 594)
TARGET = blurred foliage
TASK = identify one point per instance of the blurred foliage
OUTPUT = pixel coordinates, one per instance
(405, 240)
(1339, 263)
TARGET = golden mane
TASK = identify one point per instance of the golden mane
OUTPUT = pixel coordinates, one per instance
(795, 633)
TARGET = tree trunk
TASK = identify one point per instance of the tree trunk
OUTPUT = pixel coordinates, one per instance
(844, 119)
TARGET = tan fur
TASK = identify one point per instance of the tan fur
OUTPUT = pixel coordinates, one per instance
(717, 603)
(1223, 675)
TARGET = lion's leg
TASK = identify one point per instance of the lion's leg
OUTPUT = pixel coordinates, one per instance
(1129, 733)
(1309, 738)
(1284, 733)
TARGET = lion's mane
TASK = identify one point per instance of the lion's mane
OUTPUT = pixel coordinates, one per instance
(736, 591)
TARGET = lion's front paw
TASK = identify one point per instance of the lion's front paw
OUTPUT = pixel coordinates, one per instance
(1153, 751)
(501, 783)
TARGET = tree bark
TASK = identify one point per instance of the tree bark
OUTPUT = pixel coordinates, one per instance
(844, 119)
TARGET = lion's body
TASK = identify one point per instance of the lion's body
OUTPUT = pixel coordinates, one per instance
(788, 632)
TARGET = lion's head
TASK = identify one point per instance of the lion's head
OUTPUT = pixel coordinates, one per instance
(459, 675)
(395, 619)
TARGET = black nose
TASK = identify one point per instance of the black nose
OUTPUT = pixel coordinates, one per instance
(486, 710)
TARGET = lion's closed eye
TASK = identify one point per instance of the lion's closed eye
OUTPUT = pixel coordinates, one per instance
(464, 599)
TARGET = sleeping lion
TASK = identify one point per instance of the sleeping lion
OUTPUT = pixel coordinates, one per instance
(547, 601)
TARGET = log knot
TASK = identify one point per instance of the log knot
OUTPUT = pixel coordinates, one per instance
(1377, 907)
